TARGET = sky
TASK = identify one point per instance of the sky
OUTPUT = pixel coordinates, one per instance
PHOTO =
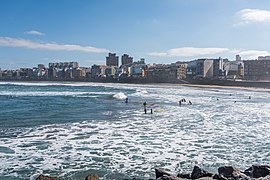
(161, 31)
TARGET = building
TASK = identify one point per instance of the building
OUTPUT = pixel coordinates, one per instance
(112, 60)
(238, 57)
(25, 72)
(111, 71)
(257, 69)
(167, 73)
(62, 70)
(234, 69)
(98, 71)
(264, 58)
(126, 59)
(204, 68)
(218, 67)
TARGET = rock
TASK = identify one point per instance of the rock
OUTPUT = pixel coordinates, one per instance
(160, 173)
(92, 177)
(248, 172)
(185, 176)
(260, 171)
(199, 173)
(230, 172)
(166, 177)
(43, 177)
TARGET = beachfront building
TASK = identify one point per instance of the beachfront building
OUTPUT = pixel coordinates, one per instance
(257, 69)
(138, 70)
(98, 71)
(234, 69)
(204, 68)
(167, 73)
(126, 59)
(62, 70)
(218, 70)
(111, 71)
(25, 72)
(112, 60)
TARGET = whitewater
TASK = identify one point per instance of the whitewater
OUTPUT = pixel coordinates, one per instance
(73, 129)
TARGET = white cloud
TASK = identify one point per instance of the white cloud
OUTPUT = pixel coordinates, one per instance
(23, 43)
(253, 54)
(34, 33)
(189, 52)
(253, 15)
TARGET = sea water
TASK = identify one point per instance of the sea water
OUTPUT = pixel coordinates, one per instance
(71, 130)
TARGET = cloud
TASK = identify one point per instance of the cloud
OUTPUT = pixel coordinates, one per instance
(253, 15)
(253, 54)
(34, 33)
(189, 52)
(23, 43)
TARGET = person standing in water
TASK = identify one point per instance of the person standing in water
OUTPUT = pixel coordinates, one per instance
(144, 105)
(126, 100)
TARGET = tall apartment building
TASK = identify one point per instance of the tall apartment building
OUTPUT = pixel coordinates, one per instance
(204, 68)
(217, 67)
(126, 59)
(112, 60)
(257, 69)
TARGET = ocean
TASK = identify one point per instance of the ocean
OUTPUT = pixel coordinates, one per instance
(74, 129)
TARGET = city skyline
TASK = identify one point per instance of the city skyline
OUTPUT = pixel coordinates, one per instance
(162, 31)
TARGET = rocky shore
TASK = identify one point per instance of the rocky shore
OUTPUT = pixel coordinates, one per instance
(260, 172)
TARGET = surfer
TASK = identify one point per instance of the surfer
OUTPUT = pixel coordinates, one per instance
(189, 102)
(126, 100)
(180, 102)
(144, 105)
(249, 97)
(151, 111)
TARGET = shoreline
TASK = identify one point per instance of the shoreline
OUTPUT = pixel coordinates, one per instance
(264, 86)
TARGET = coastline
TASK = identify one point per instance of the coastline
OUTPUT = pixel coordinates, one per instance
(205, 83)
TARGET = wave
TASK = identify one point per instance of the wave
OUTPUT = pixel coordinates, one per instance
(120, 96)
(52, 93)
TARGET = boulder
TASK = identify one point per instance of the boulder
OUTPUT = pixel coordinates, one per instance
(43, 177)
(160, 173)
(185, 176)
(199, 173)
(260, 171)
(166, 177)
(92, 177)
(230, 172)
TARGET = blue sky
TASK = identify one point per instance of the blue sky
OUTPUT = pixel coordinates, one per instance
(161, 31)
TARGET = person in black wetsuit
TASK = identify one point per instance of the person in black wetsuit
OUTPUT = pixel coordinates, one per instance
(144, 105)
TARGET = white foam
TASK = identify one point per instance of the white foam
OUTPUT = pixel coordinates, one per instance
(120, 96)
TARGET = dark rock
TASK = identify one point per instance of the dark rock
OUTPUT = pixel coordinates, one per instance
(229, 172)
(199, 173)
(166, 177)
(43, 177)
(92, 177)
(160, 173)
(186, 176)
(248, 172)
(260, 171)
